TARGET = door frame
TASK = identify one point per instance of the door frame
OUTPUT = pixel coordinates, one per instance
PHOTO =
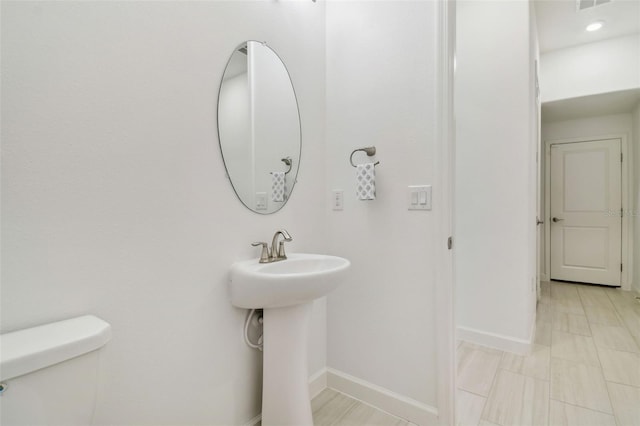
(444, 187)
(627, 196)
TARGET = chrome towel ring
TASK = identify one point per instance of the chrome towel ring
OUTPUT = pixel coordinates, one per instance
(370, 151)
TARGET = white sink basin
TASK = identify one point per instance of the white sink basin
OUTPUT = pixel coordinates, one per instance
(285, 290)
(298, 279)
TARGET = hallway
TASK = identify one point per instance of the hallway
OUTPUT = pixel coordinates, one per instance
(584, 369)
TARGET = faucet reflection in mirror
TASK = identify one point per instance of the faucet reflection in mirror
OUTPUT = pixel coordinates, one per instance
(259, 127)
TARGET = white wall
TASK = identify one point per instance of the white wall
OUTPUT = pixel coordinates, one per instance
(583, 127)
(606, 66)
(114, 196)
(588, 126)
(381, 91)
(496, 138)
(635, 211)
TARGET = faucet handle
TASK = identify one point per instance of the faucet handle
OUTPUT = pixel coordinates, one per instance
(281, 254)
(264, 256)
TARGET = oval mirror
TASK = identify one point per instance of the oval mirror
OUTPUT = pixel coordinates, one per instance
(259, 127)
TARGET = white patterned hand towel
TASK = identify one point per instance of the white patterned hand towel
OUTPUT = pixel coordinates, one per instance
(278, 186)
(366, 181)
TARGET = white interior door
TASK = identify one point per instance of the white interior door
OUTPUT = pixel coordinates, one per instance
(586, 203)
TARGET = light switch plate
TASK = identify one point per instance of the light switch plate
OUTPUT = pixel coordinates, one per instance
(419, 197)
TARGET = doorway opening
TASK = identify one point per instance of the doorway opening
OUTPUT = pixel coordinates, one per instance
(585, 238)
(588, 189)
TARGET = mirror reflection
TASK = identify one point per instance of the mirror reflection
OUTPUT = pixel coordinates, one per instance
(259, 127)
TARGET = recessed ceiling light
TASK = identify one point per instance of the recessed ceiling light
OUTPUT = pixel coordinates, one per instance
(595, 26)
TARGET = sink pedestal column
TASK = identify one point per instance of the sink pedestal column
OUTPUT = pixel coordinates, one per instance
(285, 383)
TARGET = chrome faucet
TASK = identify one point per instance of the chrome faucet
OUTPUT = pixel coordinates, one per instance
(276, 252)
(279, 254)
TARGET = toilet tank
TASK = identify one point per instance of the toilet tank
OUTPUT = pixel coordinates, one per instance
(49, 373)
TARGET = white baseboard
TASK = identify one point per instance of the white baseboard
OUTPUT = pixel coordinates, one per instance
(383, 399)
(317, 383)
(254, 421)
(376, 396)
(497, 341)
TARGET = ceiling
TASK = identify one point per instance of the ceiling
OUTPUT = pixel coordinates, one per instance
(561, 25)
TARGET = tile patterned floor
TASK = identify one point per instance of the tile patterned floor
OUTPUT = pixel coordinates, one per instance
(331, 408)
(584, 369)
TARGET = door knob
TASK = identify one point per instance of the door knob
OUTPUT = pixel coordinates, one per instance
(555, 219)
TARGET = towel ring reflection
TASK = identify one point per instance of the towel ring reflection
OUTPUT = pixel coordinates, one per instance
(288, 162)
(370, 150)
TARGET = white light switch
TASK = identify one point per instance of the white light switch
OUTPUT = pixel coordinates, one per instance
(422, 195)
(419, 197)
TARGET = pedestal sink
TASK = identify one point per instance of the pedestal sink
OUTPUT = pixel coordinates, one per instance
(285, 290)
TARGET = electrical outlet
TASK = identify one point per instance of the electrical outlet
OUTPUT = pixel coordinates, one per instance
(261, 200)
(338, 199)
